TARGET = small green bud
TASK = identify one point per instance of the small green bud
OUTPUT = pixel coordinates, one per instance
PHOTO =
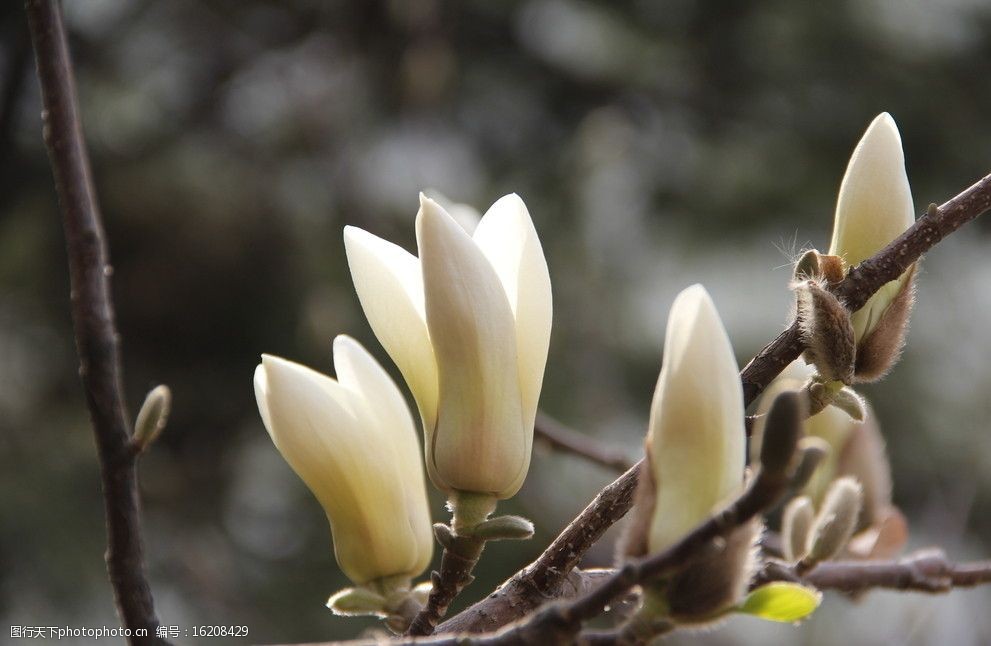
(152, 417)
(354, 602)
(836, 521)
(503, 528)
(445, 535)
(796, 524)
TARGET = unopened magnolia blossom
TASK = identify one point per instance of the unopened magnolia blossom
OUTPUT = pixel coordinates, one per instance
(696, 440)
(353, 442)
(695, 456)
(468, 324)
(874, 207)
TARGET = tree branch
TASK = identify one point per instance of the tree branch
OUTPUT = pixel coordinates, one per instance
(924, 571)
(521, 593)
(560, 622)
(869, 276)
(93, 318)
(548, 576)
(565, 439)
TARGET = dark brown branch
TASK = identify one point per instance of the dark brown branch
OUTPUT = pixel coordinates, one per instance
(564, 439)
(548, 576)
(456, 564)
(560, 622)
(923, 571)
(866, 278)
(93, 318)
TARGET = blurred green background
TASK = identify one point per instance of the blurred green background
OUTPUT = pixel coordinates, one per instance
(657, 144)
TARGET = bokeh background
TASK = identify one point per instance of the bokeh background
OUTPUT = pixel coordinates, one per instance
(657, 144)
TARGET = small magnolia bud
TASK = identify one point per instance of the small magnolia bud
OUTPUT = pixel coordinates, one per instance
(152, 417)
(783, 426)
(796, 524)
(695, 462)
(807, 266)
(814, 265)
(813, 451)
(696, 437)
(826, 332)
(874, 207)
(836, 522)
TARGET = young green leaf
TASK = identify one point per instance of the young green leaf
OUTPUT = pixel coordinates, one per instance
(781, 601)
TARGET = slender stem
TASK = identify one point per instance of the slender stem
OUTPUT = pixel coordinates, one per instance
(567, 440)
(93, 319)
(924, 571)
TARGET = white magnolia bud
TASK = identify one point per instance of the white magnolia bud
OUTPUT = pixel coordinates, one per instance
(468, 324)
(353, 442)
(696, 437)
(874, 207)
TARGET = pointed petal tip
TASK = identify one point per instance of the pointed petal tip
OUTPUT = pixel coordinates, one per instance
(884, 131)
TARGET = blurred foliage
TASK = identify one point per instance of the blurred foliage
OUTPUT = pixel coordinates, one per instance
(656, 144)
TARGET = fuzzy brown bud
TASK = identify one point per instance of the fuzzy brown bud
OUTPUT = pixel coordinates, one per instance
(826, 331)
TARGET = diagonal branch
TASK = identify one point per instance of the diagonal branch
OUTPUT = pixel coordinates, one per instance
(516, 597)
(560, 622)
(93, 318)
(548, 576)
(869, 276)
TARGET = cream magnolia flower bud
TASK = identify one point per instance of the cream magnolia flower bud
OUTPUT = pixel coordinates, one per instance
(874, 208)
(696, 439)
(353, 442)
(468, 324)
(695, 455)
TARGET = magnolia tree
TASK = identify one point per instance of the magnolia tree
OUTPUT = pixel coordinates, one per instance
(759, 489)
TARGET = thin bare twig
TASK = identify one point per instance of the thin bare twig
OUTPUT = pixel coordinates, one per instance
(93, 319)
(924, 571)
(869, 276)
(565, 439)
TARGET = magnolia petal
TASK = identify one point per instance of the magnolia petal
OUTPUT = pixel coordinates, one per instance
(314, 423)
(875, 201)
(508, 239)
(388, 281)
(479, 443)
(696, 435)
(383, 404)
